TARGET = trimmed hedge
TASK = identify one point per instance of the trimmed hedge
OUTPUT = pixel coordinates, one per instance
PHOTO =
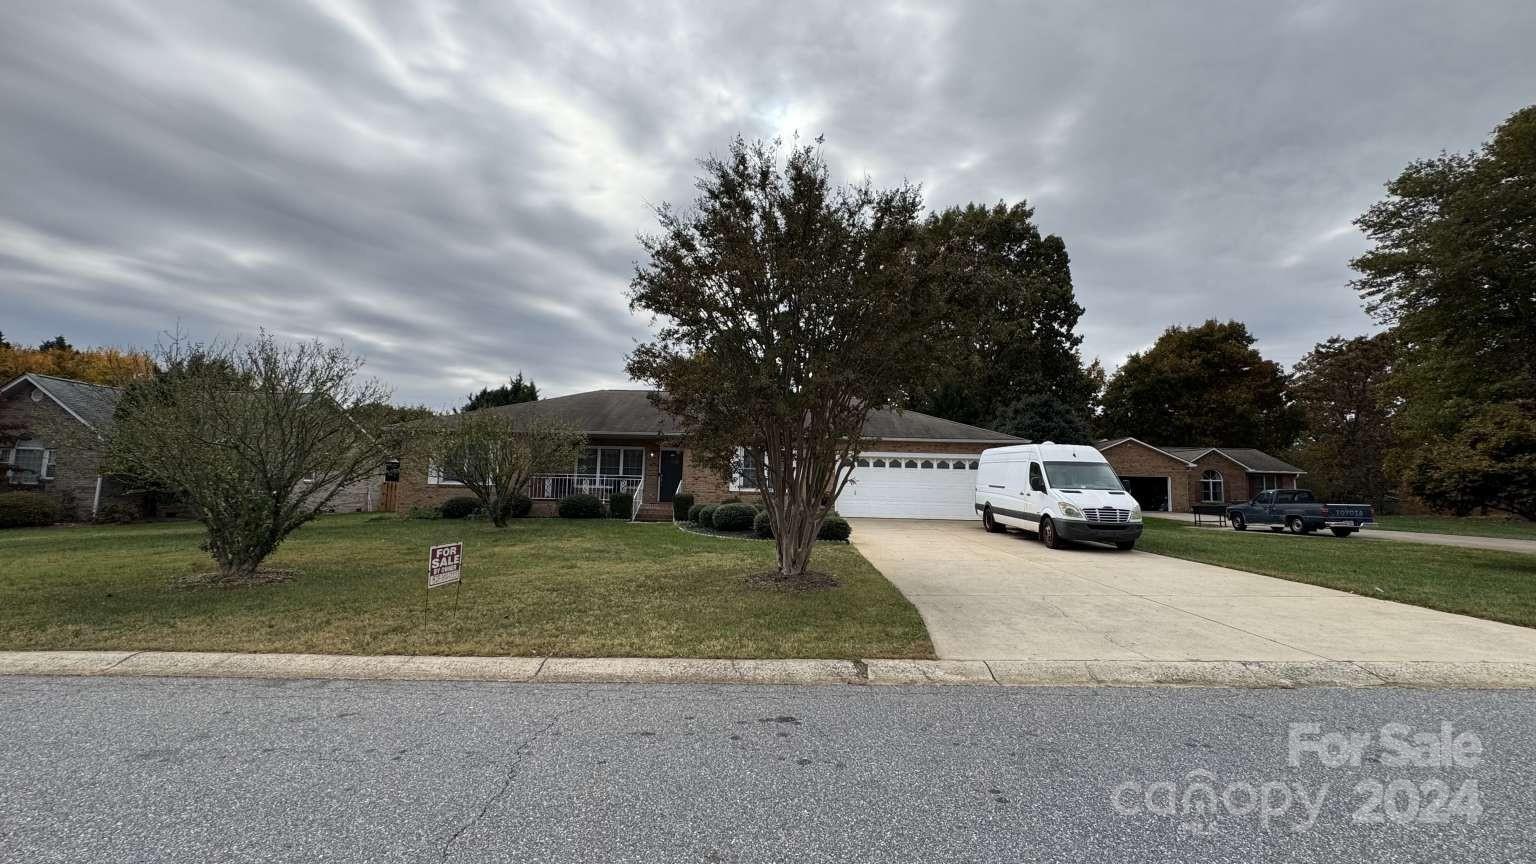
(580, 507)
(834, 527)
(733, 517)
(519, 506)
(27, 510)
(694, 511)
(760, 525)
(682, 507)
(732, 500)
(620, 504)
(459, 508)
(707, 515)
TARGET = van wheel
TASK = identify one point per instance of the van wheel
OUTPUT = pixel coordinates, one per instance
(1239, 523)
(1048, 534)
(991, 524)
(1295, 526)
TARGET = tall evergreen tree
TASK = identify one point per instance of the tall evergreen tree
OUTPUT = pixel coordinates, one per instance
(511, 393)
(996, 265)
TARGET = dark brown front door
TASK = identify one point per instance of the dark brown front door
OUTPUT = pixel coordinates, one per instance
(671, 472)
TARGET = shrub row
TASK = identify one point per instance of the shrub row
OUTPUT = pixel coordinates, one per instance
(28, 510)
(731, 515)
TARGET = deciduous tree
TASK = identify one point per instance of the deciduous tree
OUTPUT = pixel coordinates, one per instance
(1341, 388)
(1204, 386)
(259, 436)
(511, 393)
(790, 308)
(494, 454)
(1490, 463)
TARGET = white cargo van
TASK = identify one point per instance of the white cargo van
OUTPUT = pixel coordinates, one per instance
(1058, 491)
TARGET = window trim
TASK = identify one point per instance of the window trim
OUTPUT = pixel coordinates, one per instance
(49, 466)
(1218, 482)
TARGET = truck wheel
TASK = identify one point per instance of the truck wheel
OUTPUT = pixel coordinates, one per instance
(1125, 545)
(1239, 523)
(991, 524)
(1048, 534)
(1342, 532)
(1295, 525)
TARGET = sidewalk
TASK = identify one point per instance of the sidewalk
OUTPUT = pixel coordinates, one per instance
(640, 670)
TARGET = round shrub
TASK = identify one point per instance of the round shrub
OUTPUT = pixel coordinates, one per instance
(620, 505)
(760, 525)
(734, 517)
(682, 506)
(27, 510)
(119, 514)
(519, 506)
(834, 527)
(707, 515)
(460, 507)
(694, 511)
(580, 507)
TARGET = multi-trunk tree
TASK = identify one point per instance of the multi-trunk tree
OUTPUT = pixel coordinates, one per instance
(494, 454)
(790, 308)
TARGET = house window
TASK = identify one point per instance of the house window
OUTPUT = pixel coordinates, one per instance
(743, 471)
(612, 462)
(1268, 482)
(437, 475)
(29, 465)
(1212, 487)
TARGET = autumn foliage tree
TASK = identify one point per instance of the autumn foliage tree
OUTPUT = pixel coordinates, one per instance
(790, 309)
(114, 367)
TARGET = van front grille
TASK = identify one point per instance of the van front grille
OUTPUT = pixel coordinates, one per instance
(1106, 514)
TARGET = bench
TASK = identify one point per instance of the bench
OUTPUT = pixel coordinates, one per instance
(1219, 511)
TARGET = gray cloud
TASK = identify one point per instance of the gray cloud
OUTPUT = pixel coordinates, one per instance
(455, 191)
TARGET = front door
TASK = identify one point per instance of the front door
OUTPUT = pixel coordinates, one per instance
(671, 473)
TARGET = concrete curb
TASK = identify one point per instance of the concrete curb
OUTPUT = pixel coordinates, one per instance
(642, 670)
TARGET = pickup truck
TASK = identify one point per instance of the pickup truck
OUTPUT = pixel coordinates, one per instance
(1296, 511)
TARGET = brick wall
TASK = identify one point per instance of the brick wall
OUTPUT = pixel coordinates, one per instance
(76, 463)
(1132, 459)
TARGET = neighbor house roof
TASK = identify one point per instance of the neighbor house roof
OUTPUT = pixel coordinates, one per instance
(91, 404)
(1247, 458)
(631, 413)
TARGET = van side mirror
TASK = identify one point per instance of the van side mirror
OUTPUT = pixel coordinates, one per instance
(1036, 484)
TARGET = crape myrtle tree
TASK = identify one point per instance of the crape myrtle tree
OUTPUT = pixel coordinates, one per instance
(494, 454)
(790, 308)
(258, 436)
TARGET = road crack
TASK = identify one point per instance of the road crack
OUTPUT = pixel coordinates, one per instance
(521, 752)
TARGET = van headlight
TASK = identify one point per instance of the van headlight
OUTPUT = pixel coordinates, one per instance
(1135, 512)
(1070, 511)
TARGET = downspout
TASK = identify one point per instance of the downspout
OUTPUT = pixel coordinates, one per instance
(96, 498)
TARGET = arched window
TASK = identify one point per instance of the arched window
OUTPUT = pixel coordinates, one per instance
(863, 463)
(972, 467)
(879, 463)
(911, 463)
(942, 464)
(1212, 487)
(927, 463)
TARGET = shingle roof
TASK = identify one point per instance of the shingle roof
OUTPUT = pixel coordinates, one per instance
(92, 403)
(1248, 457)
(630, 412)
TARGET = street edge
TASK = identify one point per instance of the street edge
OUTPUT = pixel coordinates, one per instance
(640, 670)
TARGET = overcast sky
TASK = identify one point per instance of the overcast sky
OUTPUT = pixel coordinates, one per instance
(455, 191)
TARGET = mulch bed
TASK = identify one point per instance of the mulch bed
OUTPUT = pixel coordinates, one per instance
(212, 580)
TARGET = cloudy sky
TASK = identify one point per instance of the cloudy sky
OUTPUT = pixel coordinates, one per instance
(455, 191)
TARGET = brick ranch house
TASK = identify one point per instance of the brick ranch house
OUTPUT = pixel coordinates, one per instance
(918, 467)
(58, 417)
(1177, 478)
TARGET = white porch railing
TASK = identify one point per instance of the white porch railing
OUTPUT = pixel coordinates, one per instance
(548, 487)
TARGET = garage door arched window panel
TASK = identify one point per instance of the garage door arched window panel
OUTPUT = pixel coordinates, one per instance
(943, 463)
(1212, 487)
(879, 463)
(862, 463)
(927, 463)
(911, 463)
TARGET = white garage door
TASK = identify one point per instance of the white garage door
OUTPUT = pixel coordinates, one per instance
(911, 486)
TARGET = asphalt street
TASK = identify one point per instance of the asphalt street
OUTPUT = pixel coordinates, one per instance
(219, 770)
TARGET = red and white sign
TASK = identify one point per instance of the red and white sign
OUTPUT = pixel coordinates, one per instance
(445, 564)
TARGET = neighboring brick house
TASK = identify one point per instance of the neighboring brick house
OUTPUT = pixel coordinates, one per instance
(56, 450)
(1177, 478)
(918, 467)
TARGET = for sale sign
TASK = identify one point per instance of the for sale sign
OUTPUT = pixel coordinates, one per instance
(445, 564)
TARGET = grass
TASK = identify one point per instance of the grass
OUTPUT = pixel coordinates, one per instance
(541, 587)
(1497, 585)
(1469, 526)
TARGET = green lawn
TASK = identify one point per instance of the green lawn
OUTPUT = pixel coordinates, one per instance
(1470, 526)
(541, 587)
(1496, 585)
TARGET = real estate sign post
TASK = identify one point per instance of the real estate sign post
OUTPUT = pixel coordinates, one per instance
(445, 566)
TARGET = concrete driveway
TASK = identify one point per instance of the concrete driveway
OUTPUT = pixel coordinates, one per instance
(1006, 597)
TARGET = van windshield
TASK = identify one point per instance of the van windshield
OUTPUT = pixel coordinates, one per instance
(1081, 475)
